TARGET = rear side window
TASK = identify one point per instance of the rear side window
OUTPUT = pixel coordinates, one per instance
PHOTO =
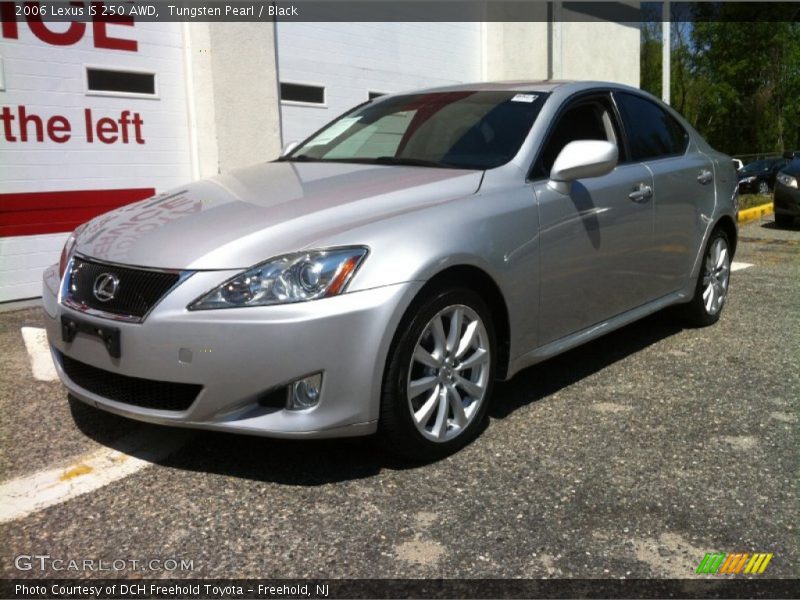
(652, 131)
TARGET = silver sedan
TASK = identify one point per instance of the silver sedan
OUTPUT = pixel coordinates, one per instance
(381, 275)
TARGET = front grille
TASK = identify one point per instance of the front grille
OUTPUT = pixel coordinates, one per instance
(136, 292)
(145, 393)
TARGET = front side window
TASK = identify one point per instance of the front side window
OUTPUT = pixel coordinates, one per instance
(652, 131)
(587, 120)
(462, 129)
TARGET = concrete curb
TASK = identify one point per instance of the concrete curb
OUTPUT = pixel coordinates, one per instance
(20, 304)
(755, 213)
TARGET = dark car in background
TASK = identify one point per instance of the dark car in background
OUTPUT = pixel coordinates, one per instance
(758, 177)
(786, 200)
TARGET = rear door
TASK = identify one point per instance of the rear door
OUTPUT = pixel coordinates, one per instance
(594, 241)
(683, 188)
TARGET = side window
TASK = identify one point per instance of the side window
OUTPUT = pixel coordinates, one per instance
(589, 120)
(652, 132)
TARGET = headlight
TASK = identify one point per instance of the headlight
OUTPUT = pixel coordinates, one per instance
(787, 180)
(68, 250)
(747, 180)
(291, 278)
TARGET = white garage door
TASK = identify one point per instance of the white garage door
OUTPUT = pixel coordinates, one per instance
(93, 117)
(327, 68)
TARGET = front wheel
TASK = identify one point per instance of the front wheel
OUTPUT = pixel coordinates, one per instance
(438, 376)
(763, 188)
(712, 284)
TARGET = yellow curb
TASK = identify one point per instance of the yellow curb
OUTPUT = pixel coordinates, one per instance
(752, 214)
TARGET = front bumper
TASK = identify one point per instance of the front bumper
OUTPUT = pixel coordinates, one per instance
(238, 355)
(786, 200)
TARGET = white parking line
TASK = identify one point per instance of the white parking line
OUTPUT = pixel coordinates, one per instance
(739, 266)
(25, 495)
(35, 340)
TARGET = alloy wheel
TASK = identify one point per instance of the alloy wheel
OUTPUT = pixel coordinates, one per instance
(449, 373)
(716, 276)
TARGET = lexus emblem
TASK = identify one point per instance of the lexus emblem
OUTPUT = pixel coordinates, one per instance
(106, 286)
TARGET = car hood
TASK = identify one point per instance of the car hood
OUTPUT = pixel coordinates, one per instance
(249, 215)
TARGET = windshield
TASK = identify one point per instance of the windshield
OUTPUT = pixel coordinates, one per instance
(463, 129)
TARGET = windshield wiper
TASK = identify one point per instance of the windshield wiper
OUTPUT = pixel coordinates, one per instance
(380, 160)
(300, 158)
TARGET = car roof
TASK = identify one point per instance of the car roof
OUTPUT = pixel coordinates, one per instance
(542, 86)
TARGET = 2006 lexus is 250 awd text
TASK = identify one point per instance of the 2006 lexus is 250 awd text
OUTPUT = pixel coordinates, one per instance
(379, 276)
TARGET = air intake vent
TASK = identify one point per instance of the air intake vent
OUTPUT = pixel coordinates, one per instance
(145, 393)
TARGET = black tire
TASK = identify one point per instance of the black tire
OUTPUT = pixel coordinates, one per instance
(397, 431)
(784, 221)
(696, 312)
(763, 188)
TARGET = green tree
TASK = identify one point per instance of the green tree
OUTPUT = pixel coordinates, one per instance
(650, 58)
(735, 77)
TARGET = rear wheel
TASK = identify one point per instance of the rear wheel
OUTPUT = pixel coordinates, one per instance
(712, 284)
(438, 376)
(784, 220)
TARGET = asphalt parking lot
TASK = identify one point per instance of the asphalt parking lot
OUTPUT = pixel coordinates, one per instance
(632, 456)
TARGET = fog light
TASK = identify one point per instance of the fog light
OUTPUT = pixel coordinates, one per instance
(304, 393)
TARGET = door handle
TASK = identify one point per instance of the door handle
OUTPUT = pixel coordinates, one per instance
(705, 177)
(641, 193)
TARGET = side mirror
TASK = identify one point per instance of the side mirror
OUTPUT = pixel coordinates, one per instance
(289, 147)
(580, 160)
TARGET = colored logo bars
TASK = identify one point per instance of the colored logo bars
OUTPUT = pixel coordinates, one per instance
(733, 563)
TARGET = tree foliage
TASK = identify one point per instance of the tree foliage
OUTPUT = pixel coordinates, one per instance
(735, 78)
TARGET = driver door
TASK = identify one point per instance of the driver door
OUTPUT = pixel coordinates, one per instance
(595, 241)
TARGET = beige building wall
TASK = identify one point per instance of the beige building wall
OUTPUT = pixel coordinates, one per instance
(233, 83)
(516, 50)
(596, 50)
(579, 50)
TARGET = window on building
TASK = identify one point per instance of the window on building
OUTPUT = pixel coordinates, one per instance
(301, 92)
(652, 132)
(120, 82)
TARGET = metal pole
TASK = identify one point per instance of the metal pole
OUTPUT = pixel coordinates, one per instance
(666, 47)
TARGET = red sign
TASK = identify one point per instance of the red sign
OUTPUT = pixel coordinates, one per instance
(21, 126)
(34, 213)
(9, 28)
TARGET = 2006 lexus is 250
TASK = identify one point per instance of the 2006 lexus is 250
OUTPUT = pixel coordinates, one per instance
(379, 276)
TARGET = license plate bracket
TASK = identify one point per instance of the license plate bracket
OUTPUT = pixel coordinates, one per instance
(71, 326)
